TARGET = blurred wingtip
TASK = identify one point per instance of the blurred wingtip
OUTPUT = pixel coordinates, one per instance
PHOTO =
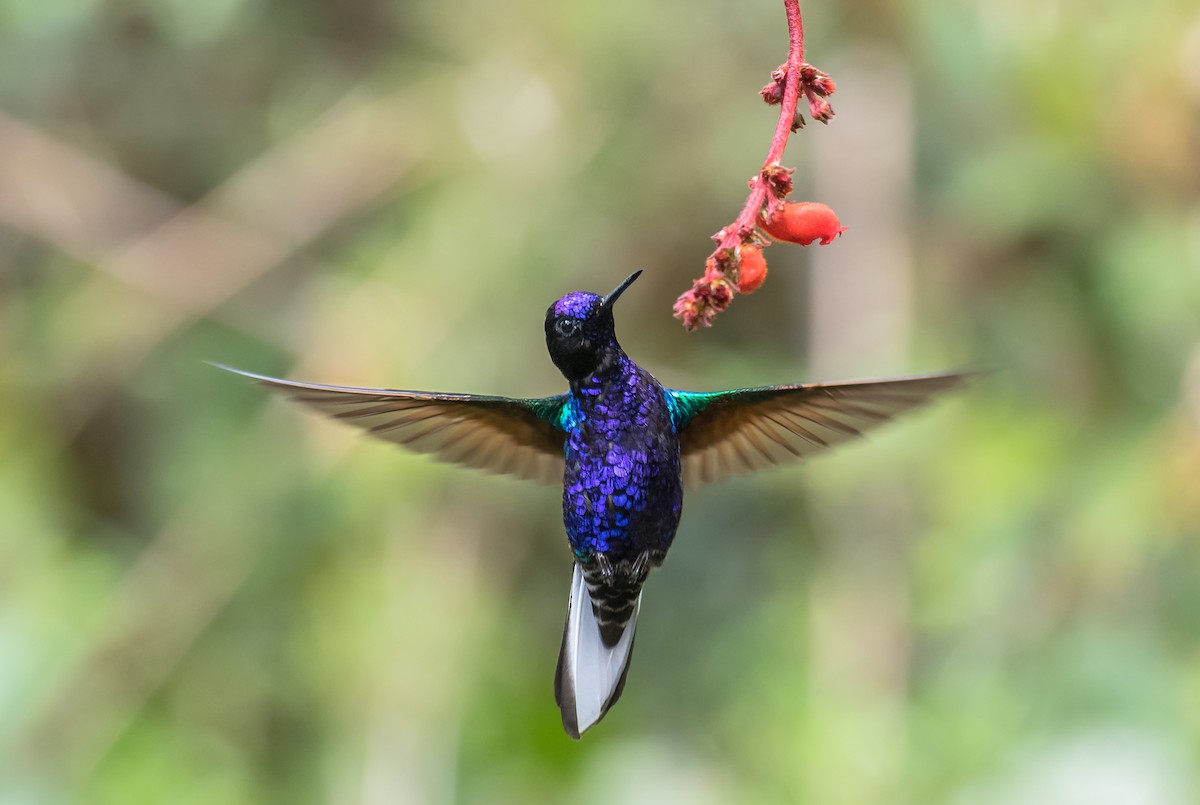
(234, 370)
(973, 374)
(266, 379)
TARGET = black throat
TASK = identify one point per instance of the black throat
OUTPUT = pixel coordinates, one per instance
(600, 366)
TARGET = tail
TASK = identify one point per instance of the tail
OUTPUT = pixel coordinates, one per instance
(591, 674)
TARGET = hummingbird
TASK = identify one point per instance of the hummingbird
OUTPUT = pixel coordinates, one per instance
(624, 448)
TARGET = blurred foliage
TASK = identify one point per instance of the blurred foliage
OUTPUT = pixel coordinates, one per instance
(206, 596)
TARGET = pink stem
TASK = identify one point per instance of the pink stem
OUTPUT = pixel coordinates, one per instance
(783, 129)
(791, 87)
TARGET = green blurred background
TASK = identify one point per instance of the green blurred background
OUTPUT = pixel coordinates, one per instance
(207, 596)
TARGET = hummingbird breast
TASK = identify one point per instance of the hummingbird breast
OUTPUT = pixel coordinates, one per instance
(622, 488)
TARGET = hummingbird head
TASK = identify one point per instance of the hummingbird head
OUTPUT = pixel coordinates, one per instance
(580, 334)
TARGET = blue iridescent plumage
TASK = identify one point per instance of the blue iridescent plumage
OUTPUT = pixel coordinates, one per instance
(623, 448)
(622, 492)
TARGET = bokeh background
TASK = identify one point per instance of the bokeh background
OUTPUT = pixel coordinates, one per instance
(208, 596)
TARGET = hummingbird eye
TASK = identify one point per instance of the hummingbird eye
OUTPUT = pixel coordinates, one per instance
(567, 327)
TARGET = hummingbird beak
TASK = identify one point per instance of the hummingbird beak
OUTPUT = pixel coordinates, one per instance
(615, 294)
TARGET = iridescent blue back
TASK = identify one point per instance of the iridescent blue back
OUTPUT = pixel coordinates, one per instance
(622, 489)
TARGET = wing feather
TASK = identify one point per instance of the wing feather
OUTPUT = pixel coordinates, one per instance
(732, 432)
(776, 451)
(494, 434)
(740, 447)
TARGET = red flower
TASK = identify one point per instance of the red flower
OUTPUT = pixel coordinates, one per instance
(819, 108)
(752, 268)
(803, 222)
(707, 297)
(772, 93)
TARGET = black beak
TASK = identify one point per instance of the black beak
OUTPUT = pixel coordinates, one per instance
(615, 294)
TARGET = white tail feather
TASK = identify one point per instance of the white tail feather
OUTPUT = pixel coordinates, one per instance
(590, 673)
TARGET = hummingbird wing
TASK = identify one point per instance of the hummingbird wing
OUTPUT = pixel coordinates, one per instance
(725, 433)
(495, 434)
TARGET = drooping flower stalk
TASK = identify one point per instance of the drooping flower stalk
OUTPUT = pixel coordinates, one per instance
(713, 292)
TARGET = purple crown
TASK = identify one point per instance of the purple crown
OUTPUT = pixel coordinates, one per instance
(577, 304)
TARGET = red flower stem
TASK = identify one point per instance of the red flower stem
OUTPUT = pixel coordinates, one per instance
(791, 87)
(787, 114)
(722, 278)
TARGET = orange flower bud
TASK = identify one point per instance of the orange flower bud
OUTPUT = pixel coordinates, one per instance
(752, 268)
(803, 222)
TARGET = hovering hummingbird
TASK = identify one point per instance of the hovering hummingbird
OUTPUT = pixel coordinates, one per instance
(623, 448)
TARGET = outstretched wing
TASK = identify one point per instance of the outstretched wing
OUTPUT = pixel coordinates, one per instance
(494, 434)
(727, 433)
